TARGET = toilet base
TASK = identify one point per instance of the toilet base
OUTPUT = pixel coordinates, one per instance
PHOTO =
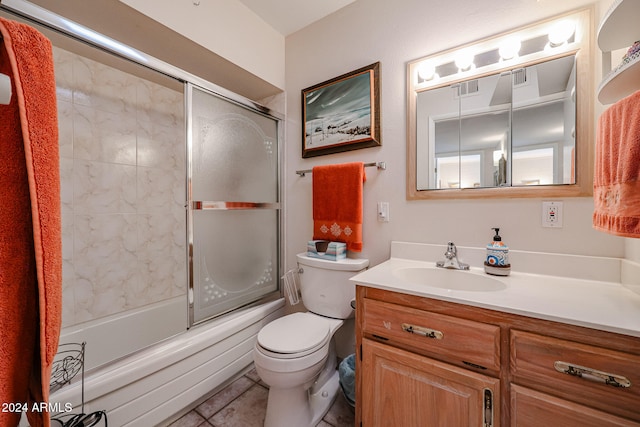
(324, 397)
(301, 408)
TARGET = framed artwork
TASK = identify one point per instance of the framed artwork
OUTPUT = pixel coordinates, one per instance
(342, 114)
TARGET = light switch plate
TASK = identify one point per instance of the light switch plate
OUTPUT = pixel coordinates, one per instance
(383, 211)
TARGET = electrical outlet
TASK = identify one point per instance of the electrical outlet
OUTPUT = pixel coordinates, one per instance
(552, 214)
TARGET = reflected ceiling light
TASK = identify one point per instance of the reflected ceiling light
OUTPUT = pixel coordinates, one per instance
(561, 31)
(493, 138)
(509, 48)
(558, 130)
(427, 70)
(464, 59)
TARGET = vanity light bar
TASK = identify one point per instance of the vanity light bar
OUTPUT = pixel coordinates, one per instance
(555, 36)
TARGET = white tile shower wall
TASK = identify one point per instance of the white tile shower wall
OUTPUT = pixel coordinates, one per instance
(122, 162)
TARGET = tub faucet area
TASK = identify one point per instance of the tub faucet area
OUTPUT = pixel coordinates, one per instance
(451, 259)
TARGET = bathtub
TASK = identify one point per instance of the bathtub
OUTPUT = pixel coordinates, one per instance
(164, 379)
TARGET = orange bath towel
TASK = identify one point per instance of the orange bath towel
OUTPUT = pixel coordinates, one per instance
(616, 184)
(30, 232)
(337, 203)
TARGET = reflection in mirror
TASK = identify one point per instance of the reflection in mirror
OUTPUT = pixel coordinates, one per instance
(543, 125)
(507, 127)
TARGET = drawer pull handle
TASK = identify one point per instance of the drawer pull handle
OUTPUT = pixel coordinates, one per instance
(592, 374)
(425, 332)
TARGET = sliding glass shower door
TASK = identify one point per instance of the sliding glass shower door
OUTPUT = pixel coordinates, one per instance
(234, 205)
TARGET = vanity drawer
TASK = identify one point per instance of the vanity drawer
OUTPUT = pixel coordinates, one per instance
(460, 341)
(605, 379)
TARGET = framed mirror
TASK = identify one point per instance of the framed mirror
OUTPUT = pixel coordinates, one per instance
(504, 124)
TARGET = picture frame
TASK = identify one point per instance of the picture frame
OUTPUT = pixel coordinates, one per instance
(342, 114)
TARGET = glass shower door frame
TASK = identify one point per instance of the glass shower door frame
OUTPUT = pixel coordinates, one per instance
(193, 206)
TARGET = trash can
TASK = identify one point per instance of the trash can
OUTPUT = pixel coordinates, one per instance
(347, 372)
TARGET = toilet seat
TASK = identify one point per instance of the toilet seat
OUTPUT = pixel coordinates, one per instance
(295, 335)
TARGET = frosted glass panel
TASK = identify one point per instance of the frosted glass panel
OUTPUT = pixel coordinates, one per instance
(234, 158)
(235, 259)
(234, 152)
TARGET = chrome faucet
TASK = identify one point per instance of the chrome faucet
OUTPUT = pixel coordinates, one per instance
(451, 259)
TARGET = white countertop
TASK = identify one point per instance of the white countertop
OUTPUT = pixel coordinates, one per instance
(597, 304)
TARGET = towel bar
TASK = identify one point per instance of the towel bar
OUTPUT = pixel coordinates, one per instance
(379, 165)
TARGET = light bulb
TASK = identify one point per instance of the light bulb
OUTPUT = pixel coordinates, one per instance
(509, 48)
(464, 59)
(561, 31)
(427, 70)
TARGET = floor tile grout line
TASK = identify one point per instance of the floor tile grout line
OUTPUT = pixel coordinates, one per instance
(255, 383)
(208, 422)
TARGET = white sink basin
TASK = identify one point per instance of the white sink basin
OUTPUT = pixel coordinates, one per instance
(456, 280)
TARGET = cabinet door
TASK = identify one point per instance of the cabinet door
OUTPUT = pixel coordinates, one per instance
(402, 389)
(530, 408)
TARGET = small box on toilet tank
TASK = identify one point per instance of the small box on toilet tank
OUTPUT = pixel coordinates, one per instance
(325, 249)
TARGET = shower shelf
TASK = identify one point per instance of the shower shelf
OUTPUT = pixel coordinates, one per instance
(618, 30)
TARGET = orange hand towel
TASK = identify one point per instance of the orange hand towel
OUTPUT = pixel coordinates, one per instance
(30, 232)
(337, 203)
(616, 184)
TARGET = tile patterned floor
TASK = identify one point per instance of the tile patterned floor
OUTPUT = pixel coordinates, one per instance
(243, 403)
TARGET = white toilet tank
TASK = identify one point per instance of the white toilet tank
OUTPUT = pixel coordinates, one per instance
(325, 286)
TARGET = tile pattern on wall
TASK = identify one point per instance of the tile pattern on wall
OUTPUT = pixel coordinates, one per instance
(122, 149)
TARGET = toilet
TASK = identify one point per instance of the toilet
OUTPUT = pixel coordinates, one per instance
(295, 355)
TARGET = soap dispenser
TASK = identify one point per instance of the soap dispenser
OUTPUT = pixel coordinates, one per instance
(497, 262)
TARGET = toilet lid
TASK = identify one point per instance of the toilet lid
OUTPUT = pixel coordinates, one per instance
(294, 333)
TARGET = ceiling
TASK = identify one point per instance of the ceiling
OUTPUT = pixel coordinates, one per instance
(289, 16)
(115, 19)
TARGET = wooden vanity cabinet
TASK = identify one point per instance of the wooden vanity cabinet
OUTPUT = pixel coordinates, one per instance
(420, 367)
(424, 362)
(406, 389)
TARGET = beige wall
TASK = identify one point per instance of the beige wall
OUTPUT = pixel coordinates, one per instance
(220, 41)
(227, 28)
(632, 249)
(395, 33)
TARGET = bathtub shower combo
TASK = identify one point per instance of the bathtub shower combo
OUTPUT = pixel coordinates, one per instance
(170, 197)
